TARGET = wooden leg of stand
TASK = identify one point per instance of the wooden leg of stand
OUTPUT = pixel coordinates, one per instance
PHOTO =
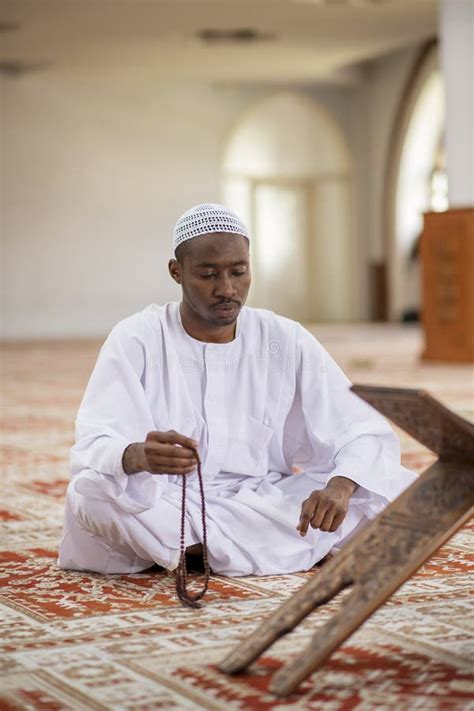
(328, 638)
(333, 578)
(376, 563)
(391, 555)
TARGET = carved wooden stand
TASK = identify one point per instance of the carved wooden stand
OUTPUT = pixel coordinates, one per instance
(389, 550)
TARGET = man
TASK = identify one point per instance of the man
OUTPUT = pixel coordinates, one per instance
(256, 395)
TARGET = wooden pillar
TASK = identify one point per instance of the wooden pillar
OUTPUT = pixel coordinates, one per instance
(447, 259)
(378, 291)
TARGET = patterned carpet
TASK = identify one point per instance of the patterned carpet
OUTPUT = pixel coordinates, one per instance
(77, 641)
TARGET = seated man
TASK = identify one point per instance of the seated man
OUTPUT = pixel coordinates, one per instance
(256, 395)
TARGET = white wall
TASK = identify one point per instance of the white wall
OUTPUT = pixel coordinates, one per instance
(457, 58)
(98, 171)
(97, 175)
(385, 84)
(296, 163)
(98, 167)
(374, 108)
(2, 188)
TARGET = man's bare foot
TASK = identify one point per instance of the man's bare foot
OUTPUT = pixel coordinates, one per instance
(195, 549)
(324, 560)
(194, 559)
(155, 568)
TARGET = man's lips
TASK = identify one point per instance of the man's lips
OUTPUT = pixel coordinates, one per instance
(227, 307)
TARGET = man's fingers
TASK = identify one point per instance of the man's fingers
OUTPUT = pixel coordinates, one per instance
(158, 460)
(180, 471)
(305, 517)
(170, 453)
(338, 519)
(172, 437)
(154, 449)
(321, 511)
(302, 526)
(319, 514)
(159, 469)
(180, 439)
(327, 521)
(307, 511)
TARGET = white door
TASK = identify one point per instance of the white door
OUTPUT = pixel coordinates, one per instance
(280, 249)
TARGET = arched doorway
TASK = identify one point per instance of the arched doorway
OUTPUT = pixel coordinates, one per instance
(287, 173)
(417, 182)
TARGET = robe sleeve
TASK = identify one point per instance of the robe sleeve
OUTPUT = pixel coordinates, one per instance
(114, 411)
(341, 435)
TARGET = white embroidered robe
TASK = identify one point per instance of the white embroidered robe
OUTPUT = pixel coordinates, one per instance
(269, 400)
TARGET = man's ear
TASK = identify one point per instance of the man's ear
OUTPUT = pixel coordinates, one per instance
(174, 268)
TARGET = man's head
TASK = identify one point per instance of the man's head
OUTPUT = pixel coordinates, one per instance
(212, 265)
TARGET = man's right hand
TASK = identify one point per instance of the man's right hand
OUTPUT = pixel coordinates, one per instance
(161, 453)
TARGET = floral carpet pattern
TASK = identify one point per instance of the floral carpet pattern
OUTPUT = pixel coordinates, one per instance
(83, 641)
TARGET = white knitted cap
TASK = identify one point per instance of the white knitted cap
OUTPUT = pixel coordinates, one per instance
(205, 219)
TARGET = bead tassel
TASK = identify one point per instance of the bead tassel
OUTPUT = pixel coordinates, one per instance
(191, 598)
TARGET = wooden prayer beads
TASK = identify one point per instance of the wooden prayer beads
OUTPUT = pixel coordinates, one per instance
(190, 598)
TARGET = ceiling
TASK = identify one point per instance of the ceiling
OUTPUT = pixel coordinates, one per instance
(302, 40)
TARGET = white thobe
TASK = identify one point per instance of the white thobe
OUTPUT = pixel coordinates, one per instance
(259, 406)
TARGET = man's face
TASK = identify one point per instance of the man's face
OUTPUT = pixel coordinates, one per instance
(214, 273)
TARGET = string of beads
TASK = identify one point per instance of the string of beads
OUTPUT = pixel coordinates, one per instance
(191, 598)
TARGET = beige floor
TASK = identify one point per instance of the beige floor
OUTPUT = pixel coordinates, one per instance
(390, 354)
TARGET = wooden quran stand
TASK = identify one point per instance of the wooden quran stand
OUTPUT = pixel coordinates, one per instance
(389, 550)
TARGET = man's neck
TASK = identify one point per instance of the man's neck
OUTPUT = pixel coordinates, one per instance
(203, 332)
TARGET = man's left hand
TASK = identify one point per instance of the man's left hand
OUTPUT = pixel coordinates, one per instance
(326, 509)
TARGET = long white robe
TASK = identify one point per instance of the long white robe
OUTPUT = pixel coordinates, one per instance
(268, 401)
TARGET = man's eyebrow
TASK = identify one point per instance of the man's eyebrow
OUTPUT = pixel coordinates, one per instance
(240, 262)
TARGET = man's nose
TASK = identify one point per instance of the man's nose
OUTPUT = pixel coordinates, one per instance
(225, 286)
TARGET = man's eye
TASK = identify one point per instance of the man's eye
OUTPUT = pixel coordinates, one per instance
(241, 273)
(207, 276)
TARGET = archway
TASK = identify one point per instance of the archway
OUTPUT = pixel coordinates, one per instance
(287, 173)
(417, 182)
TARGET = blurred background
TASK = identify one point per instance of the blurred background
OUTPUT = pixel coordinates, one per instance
(324, 123)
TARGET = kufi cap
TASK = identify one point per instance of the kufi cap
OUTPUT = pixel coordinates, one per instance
(205, 219)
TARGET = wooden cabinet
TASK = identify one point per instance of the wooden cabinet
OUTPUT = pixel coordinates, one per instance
(447, 260)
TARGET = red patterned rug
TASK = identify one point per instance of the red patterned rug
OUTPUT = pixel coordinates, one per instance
(84, 641)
